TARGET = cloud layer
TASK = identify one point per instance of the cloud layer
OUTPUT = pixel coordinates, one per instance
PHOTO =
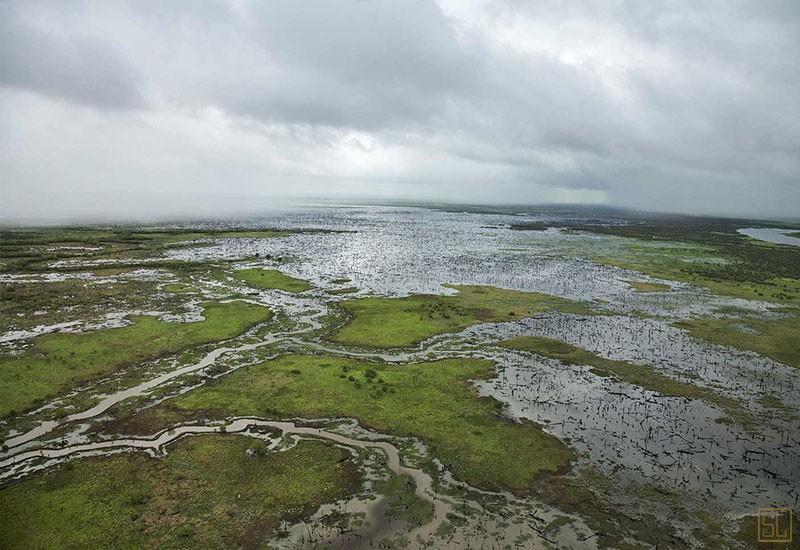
(144, 109)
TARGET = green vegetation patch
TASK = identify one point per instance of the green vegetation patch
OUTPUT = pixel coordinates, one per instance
(404, 504)
(640, 286)
(706, 270)
(639, 375)
(58, 361)
(704, 251)
(340, 291)
(587, 496)
(271, 279)
(24, 305)
(179, 288)
(395, 322)
(433, 401)
(206, 493)
(32, 250)
(778, 339)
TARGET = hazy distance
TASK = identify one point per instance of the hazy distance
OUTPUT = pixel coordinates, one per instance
(149, 110)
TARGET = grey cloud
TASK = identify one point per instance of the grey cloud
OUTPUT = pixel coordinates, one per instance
(367, 65)
(63, 62)
(651, 105)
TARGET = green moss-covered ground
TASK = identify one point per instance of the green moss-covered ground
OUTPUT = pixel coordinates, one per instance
(340, 291)
(639, 375)
(708, 252)
(582, 495)
(271, 279)
(56, 362)
(705, 251)
(404, 504)
(685, 268)
(775, 338)
(24, 305)
(32, 250)
(206, 493)
(432, 401)
(397, 322)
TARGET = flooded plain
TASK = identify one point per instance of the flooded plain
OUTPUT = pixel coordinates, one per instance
(629, 434)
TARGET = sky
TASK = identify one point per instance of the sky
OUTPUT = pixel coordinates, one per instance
(145, 110)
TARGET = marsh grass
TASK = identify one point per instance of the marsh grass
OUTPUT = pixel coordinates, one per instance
(340, 291)
(24, 305)
(56, 362)
(206, 493)
(397, 322)
(778, 339)
(33, 250)
(271, 279)
(404, 505)
(433, 401)
(782, 290)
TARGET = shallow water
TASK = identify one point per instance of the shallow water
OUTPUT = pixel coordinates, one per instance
(625, 431)
(401, 251)
(772, 235)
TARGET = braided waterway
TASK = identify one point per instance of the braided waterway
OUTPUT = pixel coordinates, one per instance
(631, 434)
(46, 457)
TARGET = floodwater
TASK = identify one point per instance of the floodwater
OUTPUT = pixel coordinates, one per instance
(772, 235)
(630, 434)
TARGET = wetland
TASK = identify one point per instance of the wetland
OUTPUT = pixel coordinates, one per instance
(399, 377)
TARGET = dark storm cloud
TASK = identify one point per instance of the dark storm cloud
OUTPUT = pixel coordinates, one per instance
(63, 62)
(684, 106)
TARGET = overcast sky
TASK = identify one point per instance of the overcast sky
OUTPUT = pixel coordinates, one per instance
(143, 109)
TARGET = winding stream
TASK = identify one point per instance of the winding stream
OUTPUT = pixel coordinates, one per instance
(626, 432)
(47, 457)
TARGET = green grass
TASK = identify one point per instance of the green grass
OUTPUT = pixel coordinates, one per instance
(432, 401)
(206, 493)
(24, 305)
(271, 279)
(56, 362)
(778, 339)
(340, 291)
(782, 290)
(404, 504)
(591, 495)
(639, 375)
(30, 250)
(396, 322)
(706, 252)
(640, 286)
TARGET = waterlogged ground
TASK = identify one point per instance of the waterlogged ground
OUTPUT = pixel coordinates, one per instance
(399, 377)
